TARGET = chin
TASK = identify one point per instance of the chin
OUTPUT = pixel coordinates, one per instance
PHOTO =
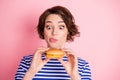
(55, 46)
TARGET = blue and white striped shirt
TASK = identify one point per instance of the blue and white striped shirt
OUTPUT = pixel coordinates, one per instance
(53, 70)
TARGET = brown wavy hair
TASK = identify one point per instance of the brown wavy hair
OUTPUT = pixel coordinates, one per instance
(67, 18)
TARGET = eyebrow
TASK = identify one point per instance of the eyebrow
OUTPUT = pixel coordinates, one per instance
(51, 21)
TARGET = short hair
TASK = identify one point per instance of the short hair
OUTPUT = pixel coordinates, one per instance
(67, 18)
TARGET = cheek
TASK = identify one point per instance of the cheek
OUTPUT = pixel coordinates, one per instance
(47, 32)
(64, 36)
(66, 33)
(46, 35)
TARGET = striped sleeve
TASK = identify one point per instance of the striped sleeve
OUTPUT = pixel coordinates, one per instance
(23, 67)
(84, 70)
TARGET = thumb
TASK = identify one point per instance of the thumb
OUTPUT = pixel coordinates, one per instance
(46, 60)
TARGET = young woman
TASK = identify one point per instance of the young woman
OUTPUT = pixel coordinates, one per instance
(56, 26)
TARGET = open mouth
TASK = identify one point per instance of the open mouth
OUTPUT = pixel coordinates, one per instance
(53, 40)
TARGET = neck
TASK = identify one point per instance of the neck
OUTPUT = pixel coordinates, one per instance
(57, 47)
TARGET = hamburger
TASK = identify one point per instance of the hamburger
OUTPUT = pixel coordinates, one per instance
(54, 53)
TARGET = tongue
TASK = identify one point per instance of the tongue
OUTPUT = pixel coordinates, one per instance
(52, 40)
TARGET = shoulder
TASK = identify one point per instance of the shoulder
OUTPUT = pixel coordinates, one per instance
(28, 57)
(23, 67)
(82, 61)
(26, 60)
(84, 65)
(84, 69)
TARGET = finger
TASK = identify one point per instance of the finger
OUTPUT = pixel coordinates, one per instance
(46, 60)
(40, 50)
(38, 53)
(76, 61)
(73, 60)
(70, 56)
(69, 51)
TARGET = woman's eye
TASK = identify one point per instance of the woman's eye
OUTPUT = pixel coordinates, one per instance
(48, 27)
(61, 27)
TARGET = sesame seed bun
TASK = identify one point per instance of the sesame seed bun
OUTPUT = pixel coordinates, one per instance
(54, 53)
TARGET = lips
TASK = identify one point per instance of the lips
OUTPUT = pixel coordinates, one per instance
(53, 40)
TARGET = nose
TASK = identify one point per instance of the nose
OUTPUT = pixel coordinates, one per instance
(54, 32)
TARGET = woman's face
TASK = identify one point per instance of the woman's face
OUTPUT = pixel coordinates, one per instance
(55, 31)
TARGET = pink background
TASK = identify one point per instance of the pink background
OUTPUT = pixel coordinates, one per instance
(99, 44)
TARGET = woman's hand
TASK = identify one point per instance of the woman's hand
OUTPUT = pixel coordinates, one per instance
(71, 66)
(36, 64)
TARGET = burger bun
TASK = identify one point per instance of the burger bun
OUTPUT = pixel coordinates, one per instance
(55, 53)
